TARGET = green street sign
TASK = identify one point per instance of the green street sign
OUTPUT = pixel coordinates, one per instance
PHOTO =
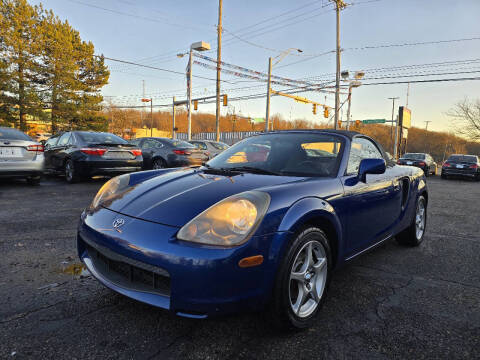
(374, 121)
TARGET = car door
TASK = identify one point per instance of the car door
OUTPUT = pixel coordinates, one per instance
(49, 146)
(149, 147)
(58, 154)
(373, 206)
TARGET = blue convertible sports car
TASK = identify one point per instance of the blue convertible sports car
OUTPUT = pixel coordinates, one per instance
(260, 226)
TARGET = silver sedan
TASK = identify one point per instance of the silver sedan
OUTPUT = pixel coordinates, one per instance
(20, 156)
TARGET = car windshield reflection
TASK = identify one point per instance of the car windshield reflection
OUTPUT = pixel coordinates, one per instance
(301, 154)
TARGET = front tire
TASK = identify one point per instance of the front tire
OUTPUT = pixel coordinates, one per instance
(302, 280)
(414, 234)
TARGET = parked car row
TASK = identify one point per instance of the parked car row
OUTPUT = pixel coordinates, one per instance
(457, 165)
(79, 155)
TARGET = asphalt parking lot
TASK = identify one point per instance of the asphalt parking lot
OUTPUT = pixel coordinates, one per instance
(393, 302)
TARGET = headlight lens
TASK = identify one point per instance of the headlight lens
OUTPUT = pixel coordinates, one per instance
(111, 188)
(229, 222)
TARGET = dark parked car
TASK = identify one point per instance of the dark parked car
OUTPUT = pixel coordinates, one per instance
(251, 231)
(421, 160)
(461, 165)
(20, 156)
(83, 154)
(159, 153)
(210, 148)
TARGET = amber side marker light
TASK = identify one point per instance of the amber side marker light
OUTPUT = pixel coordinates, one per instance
(251, 261)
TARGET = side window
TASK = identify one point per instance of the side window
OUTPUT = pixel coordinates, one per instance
(72, 140)
(64, 139)
(151, 144)
(361, 149)
(51, 142)
(135, 142)
(200, 145)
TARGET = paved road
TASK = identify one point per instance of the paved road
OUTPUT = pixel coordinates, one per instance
(394, 302)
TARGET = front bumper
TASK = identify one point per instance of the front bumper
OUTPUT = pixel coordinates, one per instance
(195, 280)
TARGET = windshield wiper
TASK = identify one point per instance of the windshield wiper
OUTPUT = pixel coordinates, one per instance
(253, 170)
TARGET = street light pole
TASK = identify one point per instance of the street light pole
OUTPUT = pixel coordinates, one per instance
(189, 95)
(267, 116)
(279, 58)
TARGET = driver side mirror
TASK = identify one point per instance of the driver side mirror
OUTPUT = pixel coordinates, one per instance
(370, 166)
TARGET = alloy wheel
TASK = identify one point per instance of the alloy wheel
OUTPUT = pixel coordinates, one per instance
(308, 277)
(158, 164)
(420, 219)
(68, 171)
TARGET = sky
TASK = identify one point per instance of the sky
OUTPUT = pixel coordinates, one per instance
(153, 32)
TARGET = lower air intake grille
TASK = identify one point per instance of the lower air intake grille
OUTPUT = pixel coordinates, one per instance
(126, 275)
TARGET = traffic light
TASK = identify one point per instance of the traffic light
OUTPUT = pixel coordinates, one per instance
(357, 122)
(314, 110)
(195, 104)
(339, 124)
(225, 101)
(325, 112)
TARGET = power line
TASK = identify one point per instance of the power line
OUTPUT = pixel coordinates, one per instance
(135, 16)
(153, 67)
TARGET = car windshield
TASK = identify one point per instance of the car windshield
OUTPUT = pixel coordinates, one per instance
(13, 134)
(414, 156)
(291, 154)
(100, 138)
(463, 158)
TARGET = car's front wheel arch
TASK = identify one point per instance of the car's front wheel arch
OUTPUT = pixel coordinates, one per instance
(313, 212)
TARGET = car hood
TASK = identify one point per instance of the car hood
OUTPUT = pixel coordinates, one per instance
(176, 197)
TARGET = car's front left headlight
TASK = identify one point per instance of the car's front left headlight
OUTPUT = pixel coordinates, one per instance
(110, 190)
(229, 222)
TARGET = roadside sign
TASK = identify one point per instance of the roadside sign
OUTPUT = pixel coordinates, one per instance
(374, 121)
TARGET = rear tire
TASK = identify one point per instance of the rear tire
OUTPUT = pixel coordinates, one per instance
(302, 280)
(71, 175)
(414, 234)
(158, 164)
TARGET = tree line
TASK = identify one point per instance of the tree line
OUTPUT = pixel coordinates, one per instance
(47, 71)
(439, 144)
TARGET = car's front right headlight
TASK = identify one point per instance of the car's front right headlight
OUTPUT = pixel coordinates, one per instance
(229, 222)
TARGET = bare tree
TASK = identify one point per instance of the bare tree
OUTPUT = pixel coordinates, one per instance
(466, 116)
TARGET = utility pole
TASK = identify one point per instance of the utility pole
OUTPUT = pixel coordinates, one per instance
(426, 132)
(189, 96)
(173, 119)
(267, 116)
(408, 94)
(339, 5)
(349, 105)
(151, 117)
(219, 59)
(393, 113)
(143, 97)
